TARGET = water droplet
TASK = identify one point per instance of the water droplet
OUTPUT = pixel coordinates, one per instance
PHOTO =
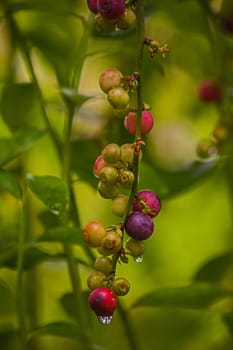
(105, 319)
(138, 259)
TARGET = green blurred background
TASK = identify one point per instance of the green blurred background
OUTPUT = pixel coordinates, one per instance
(193, 238)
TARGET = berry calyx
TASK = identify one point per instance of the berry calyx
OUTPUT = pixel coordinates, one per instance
(209, 91)
(147, 202)
(109, 79)
(118, 97)
(92, 5)
(121, 286)
(111, 9)
(147, 122)
(93, 232)
(103, 302)
(139, 226)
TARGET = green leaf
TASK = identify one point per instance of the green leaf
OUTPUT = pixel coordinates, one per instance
(72, 235)
(196, 296)
(17, 101)
(72, 96)
(215, 269)
(9, 183)
(51, 190)
(21, 141)
(60, 329)
(68, 301)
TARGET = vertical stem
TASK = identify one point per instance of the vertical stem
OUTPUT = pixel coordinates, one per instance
(20, 295)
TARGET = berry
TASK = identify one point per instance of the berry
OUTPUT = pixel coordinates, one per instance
(139, 226)
(95, 280)
(127, 153)
(120, 286)
(126, 177)
(103, 302)
(108, 190)
(111, 243)
(98, 165)
(118, 97)
(93, 232)
(103, 264)
(104, 25)
(147, 122)
(147, 202)
(127, 20)
(135, 247)
(92, 5)
(209, 91)
(111, 9)
(119, 205)
(109, 175)
(109, 79)
(111, 153)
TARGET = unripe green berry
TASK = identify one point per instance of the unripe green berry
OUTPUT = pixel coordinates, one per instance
(108, 191)
(127, 20)
(111, 242)
(118, 97)
(119, 205)
(96, 280)
(109, 79)
(109, 175)
(127, 153)
(135, 247)
(120, 286)
(126, 177)
(111, 153)
(104, 264)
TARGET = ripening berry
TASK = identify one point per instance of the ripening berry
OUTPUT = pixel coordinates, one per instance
(93, 232)
(121, 286)
(111, 243)
(92, 5)
(109, 175)
(119, 205)
(108, 191)
(109, 79)
(127, 20)
(147, 122)
(98, 165)
(103, 264)
(147, 202)
(209, 91)
(118, 97)
(103, 302)
(96, 280)
(136, 248)
(111, 153)
(139, 226)
(111, 9)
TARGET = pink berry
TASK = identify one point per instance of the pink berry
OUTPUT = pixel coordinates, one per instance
(111, 9)
(92, 5)
(103, 302)
(209, 91)
(139, 226)
(147, 202)
(147, 122)
(98, 166)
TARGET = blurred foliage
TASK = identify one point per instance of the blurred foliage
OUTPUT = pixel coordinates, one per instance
(50, 59)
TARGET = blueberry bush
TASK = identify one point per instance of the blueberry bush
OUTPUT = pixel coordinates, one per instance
(116, 174)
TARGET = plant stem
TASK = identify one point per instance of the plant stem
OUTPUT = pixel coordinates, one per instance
(129, 329)
(20, 295)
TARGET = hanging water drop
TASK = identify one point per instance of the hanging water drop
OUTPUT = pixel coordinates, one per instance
(105, 319)
(138, 259)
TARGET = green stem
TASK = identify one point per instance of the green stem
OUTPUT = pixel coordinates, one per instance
(20, 293)
(129, 329)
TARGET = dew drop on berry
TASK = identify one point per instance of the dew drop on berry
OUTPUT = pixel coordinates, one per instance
(138, 259)
(105, 319)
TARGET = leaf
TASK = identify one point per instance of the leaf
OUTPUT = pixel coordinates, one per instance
(9, 183)
(68, 301)
(17, 101)
(60, 329)
(72, 96)
(72, 235)
(215, 269)
(51, 190)
(196, 296)
(21, 141)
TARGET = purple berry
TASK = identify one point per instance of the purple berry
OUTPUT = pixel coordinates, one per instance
(111, 9)
(92, 5)
(147, 202)
(139, 226)
(210, 91)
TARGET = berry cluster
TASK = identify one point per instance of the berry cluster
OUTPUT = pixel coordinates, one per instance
(113, 15)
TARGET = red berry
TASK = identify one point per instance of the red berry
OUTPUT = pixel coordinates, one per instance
(92, 5)
(209, 91)
(111, 9)
(139, 226)
(98, 165)
(103, 302)
(147, 122)
(147, 202)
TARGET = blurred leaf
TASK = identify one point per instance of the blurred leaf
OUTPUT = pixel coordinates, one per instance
(60, 329)
(51, 190)
(9, 183)
(48, 219)
(72, 96)
(72, 235)
(16, 103)
(215, 269)
(7, 304)
(196, 296)
(68, 301)
(21, 141)
(228, 320)
(9, 338)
